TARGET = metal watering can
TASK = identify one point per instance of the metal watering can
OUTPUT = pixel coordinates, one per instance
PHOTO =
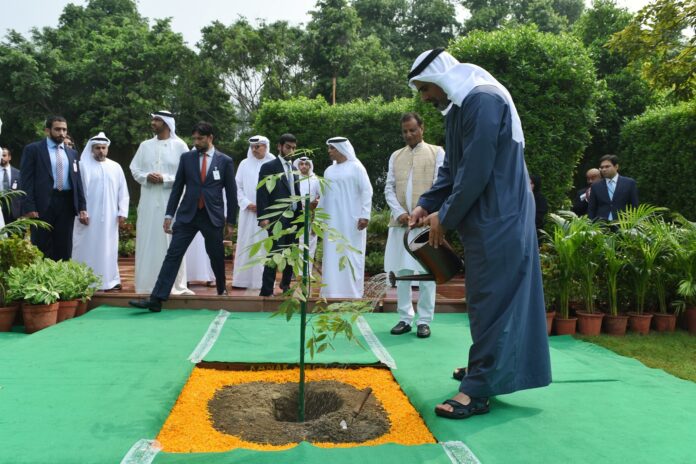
(441, 264)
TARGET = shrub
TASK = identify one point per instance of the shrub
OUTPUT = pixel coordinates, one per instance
(657, 150)
(372, 126)
(552, 80)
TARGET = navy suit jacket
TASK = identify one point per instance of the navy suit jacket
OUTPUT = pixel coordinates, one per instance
(625, 193)
(15, 209)
(189, 175)
(265, 199)
(37, 179)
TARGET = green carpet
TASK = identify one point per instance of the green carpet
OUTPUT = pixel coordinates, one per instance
(87, 389)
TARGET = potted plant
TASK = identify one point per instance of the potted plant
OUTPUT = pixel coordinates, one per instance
(564, 241)
(76, 283)
(685, 266)
(587, 264)
(664, 274)
(643, 250)
(36, 285)
(549, 275)
(14, 252)
(613, 262)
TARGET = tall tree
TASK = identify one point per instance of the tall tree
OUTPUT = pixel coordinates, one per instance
(655, 39)
(104, 68)
(331, 34)
(549, 15)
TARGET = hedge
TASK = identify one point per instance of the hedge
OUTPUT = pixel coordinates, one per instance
(658, 149)
(372, 126)
(552, 80)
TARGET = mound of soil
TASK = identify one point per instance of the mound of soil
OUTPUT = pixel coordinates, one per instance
(266, 412)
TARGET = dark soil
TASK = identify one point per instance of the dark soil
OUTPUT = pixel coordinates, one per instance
(266, 412)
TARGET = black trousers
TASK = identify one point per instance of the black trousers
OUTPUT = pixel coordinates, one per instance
(269, 272)
(56, 243)
(183, 235)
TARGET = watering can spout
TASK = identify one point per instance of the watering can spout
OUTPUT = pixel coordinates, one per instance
(441, 264)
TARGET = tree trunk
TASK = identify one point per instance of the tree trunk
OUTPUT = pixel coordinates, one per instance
(333, 91)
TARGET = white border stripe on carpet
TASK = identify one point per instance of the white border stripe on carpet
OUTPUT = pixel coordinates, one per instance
(209, 338)
(375, 345)
(142, 452)
(459, 453)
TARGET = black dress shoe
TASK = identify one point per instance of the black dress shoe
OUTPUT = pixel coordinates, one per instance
(423, 331)
(152, 304)
(400, 328)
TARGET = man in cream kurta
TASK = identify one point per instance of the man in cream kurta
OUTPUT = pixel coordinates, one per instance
(248, 231)
(412, 171)
(154, 167)
(107, 198)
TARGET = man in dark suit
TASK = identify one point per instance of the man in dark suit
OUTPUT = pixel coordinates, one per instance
(53, 186)
(9, 181)
(582, 196)
(284, 188)
(205, 172)
(612, 193)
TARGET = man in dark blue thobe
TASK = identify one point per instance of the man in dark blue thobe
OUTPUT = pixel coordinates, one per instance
(483, 191)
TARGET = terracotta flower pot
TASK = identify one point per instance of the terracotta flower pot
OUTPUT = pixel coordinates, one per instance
(639, 323)
(37, 317)
(7, 316)
(81, 307)
(691, 320)
(565, 326)
(615, 325)
(664, 322)
(590, 323)
(549, 321)
(66, 309)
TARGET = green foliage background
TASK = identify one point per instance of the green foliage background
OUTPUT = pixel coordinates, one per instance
(658, 149)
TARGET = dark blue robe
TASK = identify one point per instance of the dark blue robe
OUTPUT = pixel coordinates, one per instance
(483, 191)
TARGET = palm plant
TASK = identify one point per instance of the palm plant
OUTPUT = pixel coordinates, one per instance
(644, 249)
(587, 263)
(613, 261)
(684, 242)
(564, 240)
(21, 225)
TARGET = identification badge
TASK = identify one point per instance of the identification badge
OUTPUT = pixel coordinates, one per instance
(216, 174)
(14, 185)
(74, 166)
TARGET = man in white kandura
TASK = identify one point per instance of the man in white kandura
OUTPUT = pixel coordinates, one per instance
(248, 230)
(154, 167)
(412, 171)
(309, 185)
(348, 201)
(106, 193)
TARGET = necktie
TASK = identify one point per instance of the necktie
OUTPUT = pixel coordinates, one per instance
(204, 170)
(5, 179)
(610, 188)
(59, 169)
(291, 184)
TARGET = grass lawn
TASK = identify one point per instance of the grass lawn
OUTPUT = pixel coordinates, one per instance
(672, 352)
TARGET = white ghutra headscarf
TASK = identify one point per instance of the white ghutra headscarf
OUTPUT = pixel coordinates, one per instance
(264, 141)
(344, 147)
(168, 119)
(457, 80)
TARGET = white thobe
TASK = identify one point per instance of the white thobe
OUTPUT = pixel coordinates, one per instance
(248, 230)
(96, 244)
(310, 186)
(347, 198)
(398, 260)
(151, 243)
